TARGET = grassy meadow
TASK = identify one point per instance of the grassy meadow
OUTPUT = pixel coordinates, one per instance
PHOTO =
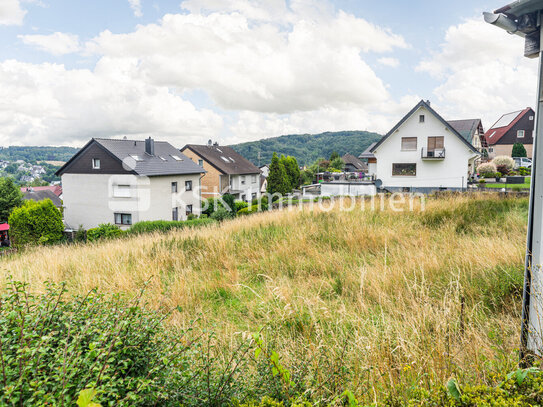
(376, 302)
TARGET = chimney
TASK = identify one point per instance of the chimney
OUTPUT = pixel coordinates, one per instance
(216, 144)
(150, 146)
(428, 103)
(209, 143)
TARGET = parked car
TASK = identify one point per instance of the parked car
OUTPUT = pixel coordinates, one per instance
(522, 162)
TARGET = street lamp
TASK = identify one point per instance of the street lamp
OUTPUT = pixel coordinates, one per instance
(524, 17)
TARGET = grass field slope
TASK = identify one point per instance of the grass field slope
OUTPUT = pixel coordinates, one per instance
(376, 302)
(307, 147)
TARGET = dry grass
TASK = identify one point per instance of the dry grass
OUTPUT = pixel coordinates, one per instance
(388, 300)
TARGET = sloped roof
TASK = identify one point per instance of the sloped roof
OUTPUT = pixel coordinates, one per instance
(466, 128)
(351, 159)
(223, 158)
(426, 105)
(136, 160)
(367, 152)
(55, 189)
(504, 124)
(42, 195)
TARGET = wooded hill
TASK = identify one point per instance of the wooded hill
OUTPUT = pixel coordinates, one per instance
(307, 147)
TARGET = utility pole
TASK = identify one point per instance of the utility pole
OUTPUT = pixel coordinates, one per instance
(523, 17)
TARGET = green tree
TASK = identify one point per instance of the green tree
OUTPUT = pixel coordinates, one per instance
(10, 198)
(36, 223)
(278, 181)
(334, 156)
(338, 164)
(519, 150)
(293, 171)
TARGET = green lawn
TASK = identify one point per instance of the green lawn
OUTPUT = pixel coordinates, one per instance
(514, 186)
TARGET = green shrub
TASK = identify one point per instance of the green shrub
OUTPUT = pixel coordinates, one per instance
(248, 210)
(240, 205)
(36, 223)
(221, 214)
(166, 225)
(192, 216)
(10, 197)
(103, 231)
(524, 171)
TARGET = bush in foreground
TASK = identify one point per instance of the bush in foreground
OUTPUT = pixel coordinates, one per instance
(487, 169)
(103, 231)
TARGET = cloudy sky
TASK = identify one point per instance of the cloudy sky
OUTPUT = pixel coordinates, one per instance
(241, 70)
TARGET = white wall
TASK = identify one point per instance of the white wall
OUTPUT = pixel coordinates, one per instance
(252, 184)
(451, 172)
(347, 189)
(91, 199)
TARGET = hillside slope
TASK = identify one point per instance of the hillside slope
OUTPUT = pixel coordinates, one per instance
(36, 154)
(307, 147)
(380, 301)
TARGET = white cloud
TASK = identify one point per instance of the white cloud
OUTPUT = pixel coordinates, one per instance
(48, 104)
(57, 43)
(11, 12)
(483, 72)
(388, 61)
(296, 67)
(246, 59)
(135, 5)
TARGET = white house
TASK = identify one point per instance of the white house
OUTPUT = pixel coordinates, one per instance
(126, 181)
(423, 153)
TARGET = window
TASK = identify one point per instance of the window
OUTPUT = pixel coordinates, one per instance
(121, 191)
(421, 118)
(188, 210)
(243, 180)
(123, 219)
(225, 159)
(409, 143)
(520, 133)
(253, 179)
(253, 195)
(531, 117)
(201, 163)
(95, 163)
(491, 150)
(177, 158)
(175, 214)
(188, 185)
(404, 170)
(162, 158)
(136, 157)
(174, 187)
(436, 143)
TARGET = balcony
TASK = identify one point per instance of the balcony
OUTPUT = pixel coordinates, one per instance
(433, 154)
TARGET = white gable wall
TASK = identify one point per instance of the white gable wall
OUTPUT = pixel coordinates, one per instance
(451, 172)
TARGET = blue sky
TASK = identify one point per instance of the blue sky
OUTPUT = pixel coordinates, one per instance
(238, 70)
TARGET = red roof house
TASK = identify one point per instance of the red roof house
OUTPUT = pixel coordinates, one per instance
(55, 189)
(511, 128)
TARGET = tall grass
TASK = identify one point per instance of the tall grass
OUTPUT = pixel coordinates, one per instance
(378, 302)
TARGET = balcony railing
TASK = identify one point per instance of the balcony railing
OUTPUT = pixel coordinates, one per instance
(433, 154)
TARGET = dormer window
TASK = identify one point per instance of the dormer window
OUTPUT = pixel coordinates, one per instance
(421, 118)
(95, 163)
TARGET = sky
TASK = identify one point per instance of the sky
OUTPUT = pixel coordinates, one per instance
(187, 71)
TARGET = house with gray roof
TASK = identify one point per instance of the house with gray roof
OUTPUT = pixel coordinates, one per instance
(41, 195)
(227, 171)
(122, 182)
(472, 130)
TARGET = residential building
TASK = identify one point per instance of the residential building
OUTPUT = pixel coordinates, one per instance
(127, 181)
(227, 172)
(55, 189)
(41, 195)
(369, 158)
(511, 128)
(423, 153)
(265, 170)
(472, 130)
(353, 164)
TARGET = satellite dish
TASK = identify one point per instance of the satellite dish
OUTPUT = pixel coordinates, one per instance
(378, 183)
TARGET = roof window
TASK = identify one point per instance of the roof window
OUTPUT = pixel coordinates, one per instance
(177, 158)
(136, 157)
